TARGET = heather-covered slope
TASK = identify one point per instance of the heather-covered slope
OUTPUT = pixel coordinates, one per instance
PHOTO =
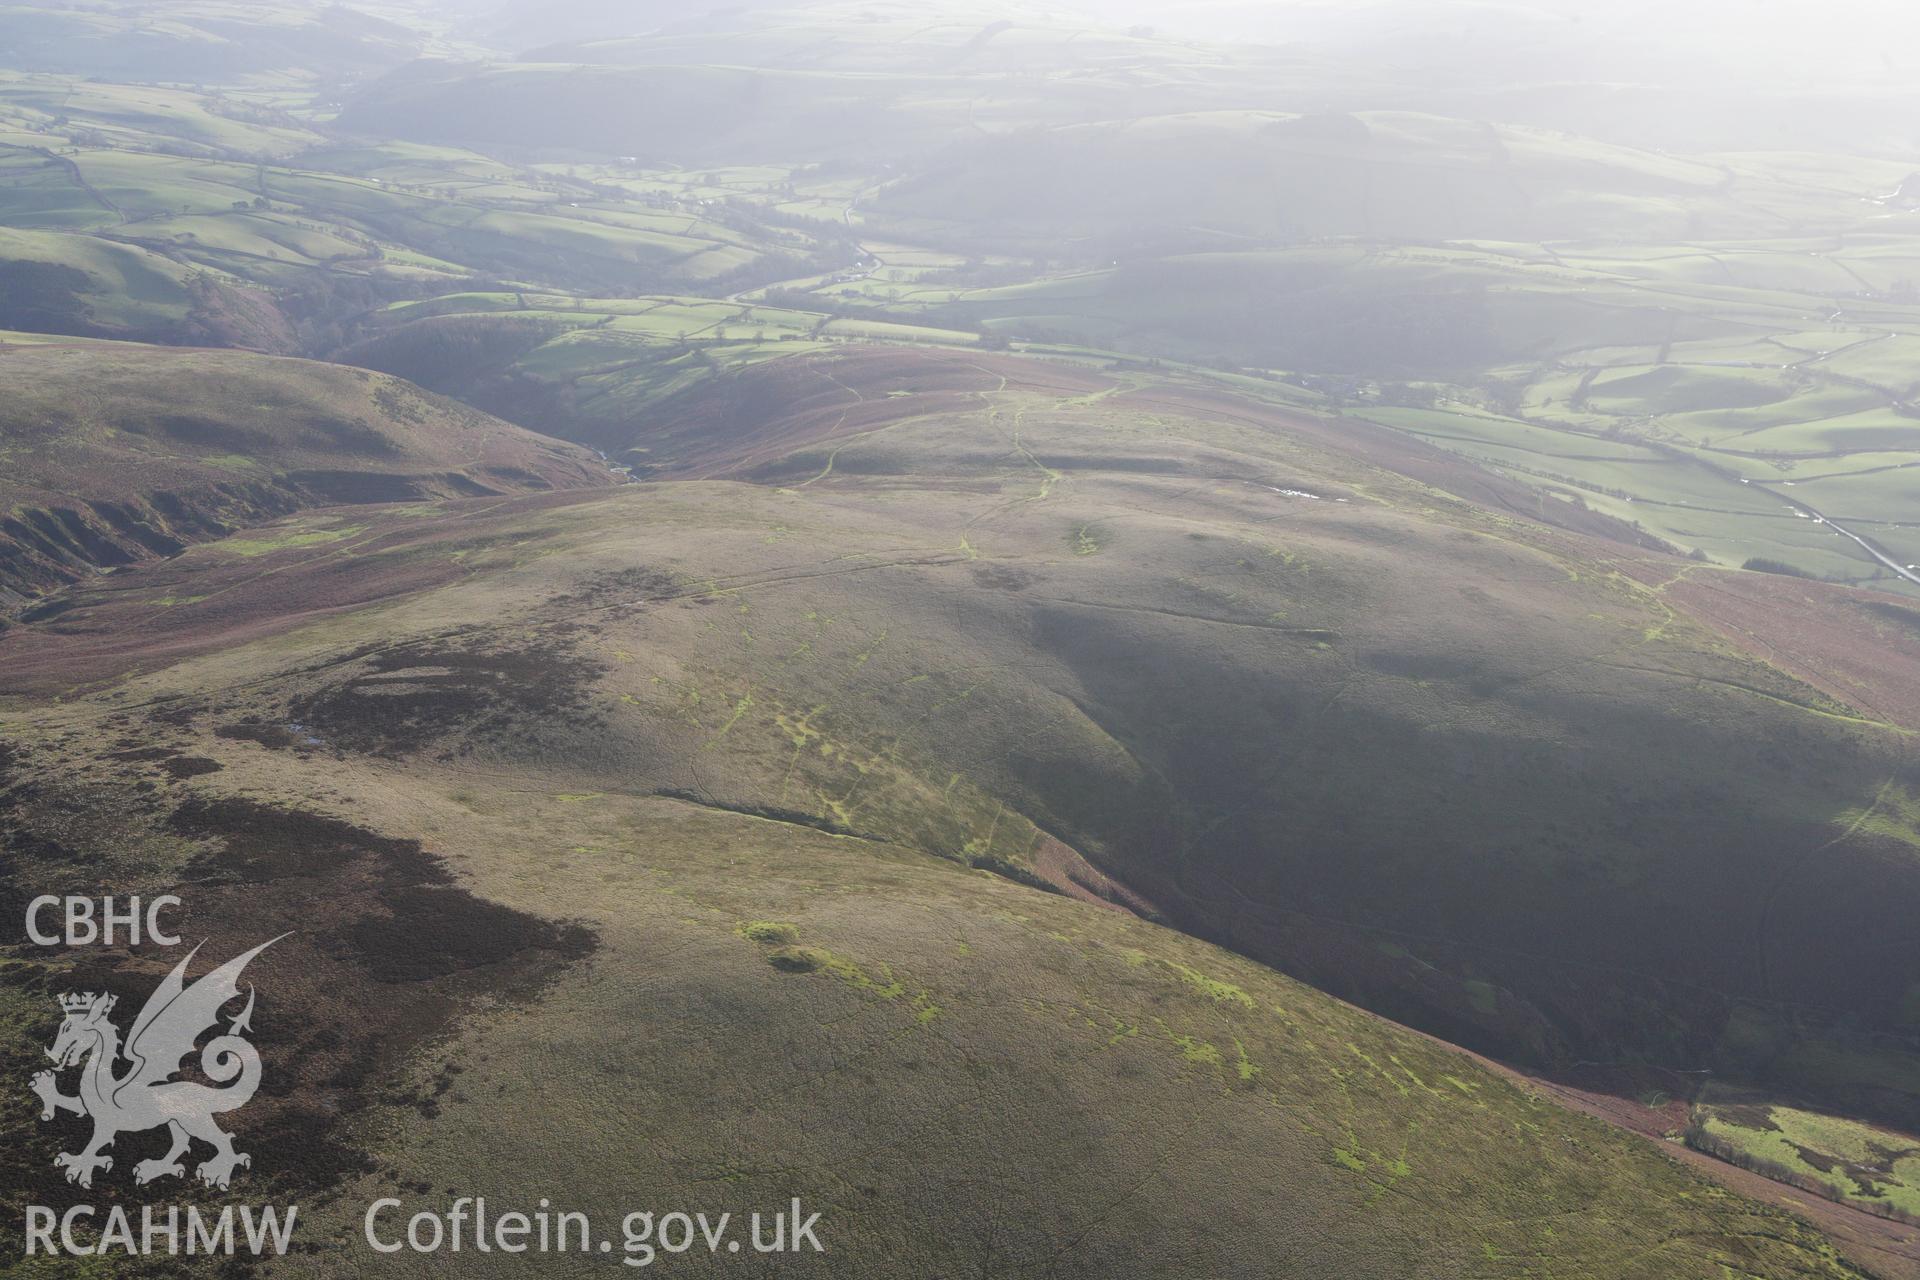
(117, 453)
(887, 762)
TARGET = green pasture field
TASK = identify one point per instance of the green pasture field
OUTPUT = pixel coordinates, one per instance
(1856, 1164)
(1731, 370)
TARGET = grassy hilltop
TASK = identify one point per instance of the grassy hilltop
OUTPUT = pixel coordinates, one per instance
(1339, 783)
(808, 770)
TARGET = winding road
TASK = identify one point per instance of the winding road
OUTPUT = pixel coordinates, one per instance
(1899, 569)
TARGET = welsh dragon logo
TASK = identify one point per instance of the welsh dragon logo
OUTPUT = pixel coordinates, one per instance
(146, 1096)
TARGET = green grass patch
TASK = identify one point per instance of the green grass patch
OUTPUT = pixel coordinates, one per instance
(769, 932)
(1872, 1169)
(290, 541)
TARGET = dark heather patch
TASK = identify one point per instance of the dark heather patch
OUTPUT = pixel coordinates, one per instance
(638, 585)
(21, 845)
(383, 951)
(353, 439)
(275, 737)
(1003, 577)
(174, 713)
(406, 698)
(381, 954)
(262, 843)
(433, 932)
(206, 432)
(1899, 615)
(183, 767)
(355, 487)
(1755, 1115)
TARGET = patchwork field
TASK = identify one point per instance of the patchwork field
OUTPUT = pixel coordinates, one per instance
(1694, 411)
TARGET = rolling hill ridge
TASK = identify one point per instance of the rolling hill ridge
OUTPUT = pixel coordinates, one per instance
(119, 453)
